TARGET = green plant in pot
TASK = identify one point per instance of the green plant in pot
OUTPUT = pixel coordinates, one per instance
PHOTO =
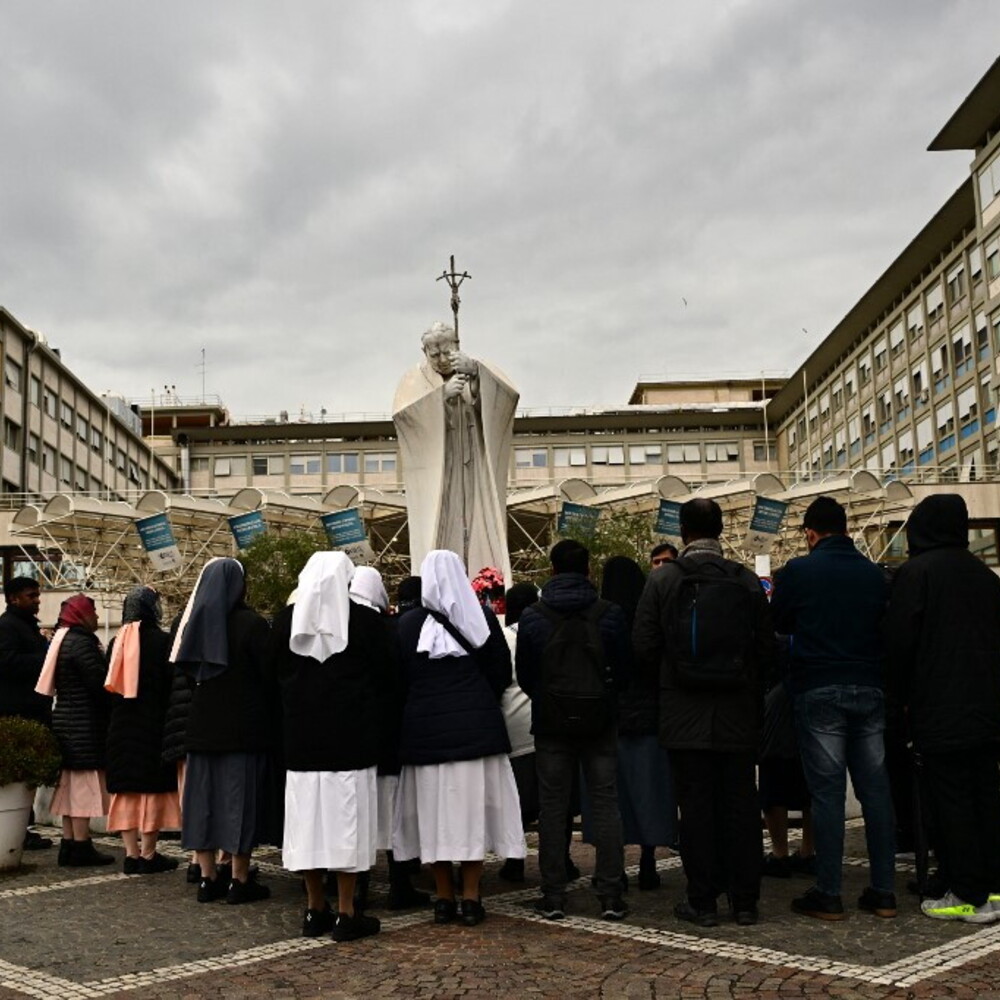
(29, 756)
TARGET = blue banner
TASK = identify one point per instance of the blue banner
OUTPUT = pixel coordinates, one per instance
(768, 515)
(344, 527)
(668, 518)
(578, 517)
(246, 527)
(158, 540)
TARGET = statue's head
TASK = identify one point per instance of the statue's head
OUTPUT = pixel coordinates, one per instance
(439, 343)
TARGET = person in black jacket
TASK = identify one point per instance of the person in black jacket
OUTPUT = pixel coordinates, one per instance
(943, 644)
(74, 670)
(457, 797)
(570, 596)
(336, 673)
(22, 653)
(232, 725)
(143, 788)
(711, 732)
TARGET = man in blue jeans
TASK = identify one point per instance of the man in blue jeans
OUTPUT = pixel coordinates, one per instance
(832, 602)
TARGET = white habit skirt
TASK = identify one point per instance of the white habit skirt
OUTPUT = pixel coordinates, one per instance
(458, 811)
(331, 820)
(387, 785)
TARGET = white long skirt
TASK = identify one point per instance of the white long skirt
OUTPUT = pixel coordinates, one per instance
(331, 820)
(387, 785)
(458, 811)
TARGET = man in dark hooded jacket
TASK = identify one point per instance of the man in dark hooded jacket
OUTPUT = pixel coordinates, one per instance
(571, 595)
(943, 642)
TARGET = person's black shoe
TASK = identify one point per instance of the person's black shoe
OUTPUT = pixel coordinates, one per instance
(445, 911)
(881, 904)
(701, 918)
(551, 907)
(317, 922)
(130, 866)
(35, 841)
(83, 854)
(211, 889)
(819, 905)
(250, 891)
(572, 872)
(348, 928)
(746, 917)
(512, 870)
(649, 878)
(156, 864)
(65, 850)
(405, 897)
(472, 912)
(193, 874)
(224, 872)
(613, 908)
(774, 867)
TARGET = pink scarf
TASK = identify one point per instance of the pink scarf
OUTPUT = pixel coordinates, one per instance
(123, 670)
(74, 611)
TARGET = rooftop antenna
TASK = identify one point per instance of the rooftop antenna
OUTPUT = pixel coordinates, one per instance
(202, 367)
(454, 280)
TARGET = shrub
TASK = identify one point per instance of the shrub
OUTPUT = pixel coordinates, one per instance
(28, 752)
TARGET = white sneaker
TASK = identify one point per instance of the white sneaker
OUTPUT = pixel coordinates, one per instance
(950, 907)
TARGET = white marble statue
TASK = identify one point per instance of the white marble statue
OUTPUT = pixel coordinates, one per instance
(454, 420)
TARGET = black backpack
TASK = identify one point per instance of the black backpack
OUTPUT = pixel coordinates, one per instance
(576, 693)
(711, 621)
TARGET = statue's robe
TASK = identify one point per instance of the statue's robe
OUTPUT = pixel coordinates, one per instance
(455, 456)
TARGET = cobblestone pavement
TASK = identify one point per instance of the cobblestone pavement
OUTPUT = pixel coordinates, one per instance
(81, 933)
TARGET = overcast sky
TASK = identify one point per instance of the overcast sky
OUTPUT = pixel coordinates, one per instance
(653, 187)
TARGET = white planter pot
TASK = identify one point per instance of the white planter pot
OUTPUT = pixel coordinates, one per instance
(15, 806)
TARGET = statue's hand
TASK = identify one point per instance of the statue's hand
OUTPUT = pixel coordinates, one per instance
(455, 386)
(462, 364)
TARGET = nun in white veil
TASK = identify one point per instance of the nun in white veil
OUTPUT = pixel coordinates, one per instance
(457, 799)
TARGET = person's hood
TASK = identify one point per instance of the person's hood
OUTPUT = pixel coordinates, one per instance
(569, 592)
(940, 521)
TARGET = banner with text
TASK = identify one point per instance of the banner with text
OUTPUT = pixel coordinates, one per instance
(158, 540)
(668, 518)
(578, 517)
(765, 523)
(246, 527)
(345, 531)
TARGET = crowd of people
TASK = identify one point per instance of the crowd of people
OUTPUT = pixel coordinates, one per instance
(672, 710)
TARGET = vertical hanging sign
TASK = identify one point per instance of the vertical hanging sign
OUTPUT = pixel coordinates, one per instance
(158, 540)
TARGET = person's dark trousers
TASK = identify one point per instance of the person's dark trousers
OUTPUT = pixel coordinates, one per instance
(558, 761)
(963, 792)
(720, 830)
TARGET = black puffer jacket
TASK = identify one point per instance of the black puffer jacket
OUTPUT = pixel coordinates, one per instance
(80, 716)
(239, 711)
(727, 721)
(22, 653)
(336, 712)
(452, 708)
(135, 736)
(943, 632)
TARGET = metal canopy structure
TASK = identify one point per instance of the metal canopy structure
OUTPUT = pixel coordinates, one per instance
(97, 543)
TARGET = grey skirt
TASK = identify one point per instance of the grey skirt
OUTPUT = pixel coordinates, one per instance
(223, 802)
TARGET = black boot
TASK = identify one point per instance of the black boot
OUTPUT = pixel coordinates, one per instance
(65, 850)
(512, 870)
(83, 854)
(402, 895)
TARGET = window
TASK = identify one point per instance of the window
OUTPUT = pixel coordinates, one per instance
(824, 406)
(572, 457)
(305, 465)
(968, 410)
(915, 322)
(96, 440)
(925, 441)
(989, 183)
(11, 435)
(935, 305)
(976, 264)
(199, 464)
(48, 459)
(983, 347)
(837, 400)
(726, 451)
(133, 471)
(868, 423)
(864, 371)
(961, 350)
(918, 376)
(380, 461)
(897, 338)
(81, 479)
(992, 253)
(945, 426)
(940, 359)
(906, 450)
(346, 462)
(956, 284)
(65, 414)
(268, 465)
(33, 448)
(889, 456)
(849, 385)
(683, 453)
(763, 452)
(65, 470)
(12, 375)
(607, 455)
(82, 427)
(235, 466)
(35, 390)
(854, 435)
(883, 403)
(901, 397)
(122, 458)
(645, 454)
(49, 403)
(881, 357)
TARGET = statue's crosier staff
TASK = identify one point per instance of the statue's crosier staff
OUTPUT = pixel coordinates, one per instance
(454, 280)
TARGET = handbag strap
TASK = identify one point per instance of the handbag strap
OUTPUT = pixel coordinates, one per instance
(452, 631)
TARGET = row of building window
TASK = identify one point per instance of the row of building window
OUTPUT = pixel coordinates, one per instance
(676, 454)
(298, 465)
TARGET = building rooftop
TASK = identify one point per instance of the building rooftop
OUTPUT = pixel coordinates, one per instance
(975, 118)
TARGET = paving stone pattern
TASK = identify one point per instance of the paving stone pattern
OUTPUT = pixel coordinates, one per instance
(77, 934)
